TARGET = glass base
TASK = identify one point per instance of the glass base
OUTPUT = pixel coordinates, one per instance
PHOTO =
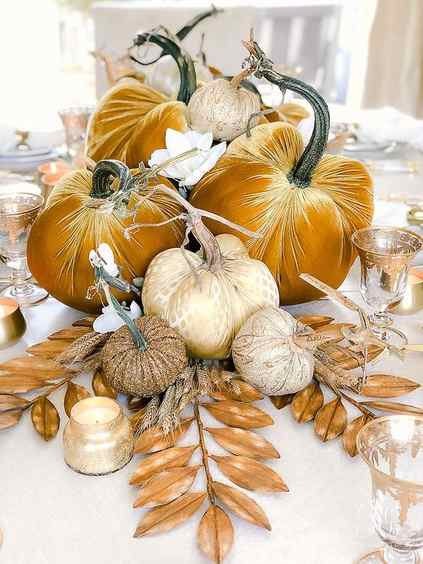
(28, 295)
(378, 557)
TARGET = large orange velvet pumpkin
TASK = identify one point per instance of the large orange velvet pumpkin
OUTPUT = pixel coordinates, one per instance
(84, 211)
(131, 119)
(305, 204)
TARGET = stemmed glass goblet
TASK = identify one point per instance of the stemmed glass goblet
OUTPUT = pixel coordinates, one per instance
(18, 212)
(392, 447)
(385, 255)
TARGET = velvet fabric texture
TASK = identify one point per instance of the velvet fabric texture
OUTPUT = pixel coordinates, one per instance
(304, 229)
(73, 223)
(130, 122)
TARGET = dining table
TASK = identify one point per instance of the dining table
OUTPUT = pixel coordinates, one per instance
(49, 514)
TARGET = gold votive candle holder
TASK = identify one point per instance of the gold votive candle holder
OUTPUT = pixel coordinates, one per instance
(98, 438)
(12, 322)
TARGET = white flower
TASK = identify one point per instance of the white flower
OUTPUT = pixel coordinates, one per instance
(104, 257)
(188, 171)
(109, 320)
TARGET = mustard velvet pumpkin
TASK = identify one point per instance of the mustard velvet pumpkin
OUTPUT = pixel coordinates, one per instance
(82, 212)
(131, 119)
(305, 204)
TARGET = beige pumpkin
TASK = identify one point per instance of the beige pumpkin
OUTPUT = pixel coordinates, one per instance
(224, 107)
(207, 300)
(267, 356)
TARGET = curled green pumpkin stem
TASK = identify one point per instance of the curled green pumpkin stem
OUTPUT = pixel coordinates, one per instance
(263, 68)
(182, 33)
(193, 218)
(181, 57)
(102, 174)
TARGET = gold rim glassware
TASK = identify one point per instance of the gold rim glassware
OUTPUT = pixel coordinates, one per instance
(392, 447)
(18, 212)
(385, 255)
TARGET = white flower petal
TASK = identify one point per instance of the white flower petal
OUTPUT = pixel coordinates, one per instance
(107, 322)
(176, 143)
(158, 157)
(94, 258)
(106, 252)
(193, 137)
(206, 141)
(134, 311)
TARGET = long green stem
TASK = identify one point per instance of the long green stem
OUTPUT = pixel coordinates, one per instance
(303, 170)
(182, 59)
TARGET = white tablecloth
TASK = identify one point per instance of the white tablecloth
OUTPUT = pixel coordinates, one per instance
(52, 515)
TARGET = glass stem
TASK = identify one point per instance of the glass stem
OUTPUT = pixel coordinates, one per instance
(394, 556)
(20, 277)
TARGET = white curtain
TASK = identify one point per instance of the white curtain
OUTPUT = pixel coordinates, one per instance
(395, 59)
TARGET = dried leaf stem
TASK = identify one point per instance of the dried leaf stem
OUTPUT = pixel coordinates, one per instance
(204, 453)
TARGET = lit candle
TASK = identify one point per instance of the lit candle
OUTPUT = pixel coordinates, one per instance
(54, 167)
(12, 322)
(98, 438)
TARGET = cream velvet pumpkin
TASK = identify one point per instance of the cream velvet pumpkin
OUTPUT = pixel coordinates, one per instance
(207, 300)
(266, 355)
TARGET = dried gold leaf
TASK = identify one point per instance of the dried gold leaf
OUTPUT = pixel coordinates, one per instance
(70, 333)
(153, 440)
(74, 394)
(10, 418)
(48, 349)
(166, 517)
(331, 420)
(387, 386)
(17, 384)
(85, 321)
(307, 403)
(163, 460)
(166, 486)
(101, 388)
(281, 401)
(241, 441)
(238, 414)
(349, 437)
(241, 505)
(250, 474)
(40, 368)
(215, 534)
(45, 418)
(335, 331)
(9, 401)
(315, 321)
(393, 407)
(247, 393)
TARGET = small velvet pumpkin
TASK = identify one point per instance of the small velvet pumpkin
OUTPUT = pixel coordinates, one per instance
(131, 119)
(305, 204)
(84, 211)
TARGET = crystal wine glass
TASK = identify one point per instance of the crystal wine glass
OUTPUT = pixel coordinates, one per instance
(75, 121)
(18, 211)
(392, 447)
(385, 256)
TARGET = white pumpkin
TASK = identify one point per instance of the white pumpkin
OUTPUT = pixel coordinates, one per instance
(165, 76)
(207, 300)
(266, 355)
(223, 107)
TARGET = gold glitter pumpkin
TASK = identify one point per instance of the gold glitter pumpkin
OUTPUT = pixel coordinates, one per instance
(148, 372)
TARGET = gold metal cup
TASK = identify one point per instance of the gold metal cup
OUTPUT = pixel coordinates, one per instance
(98, 439)
(12, 322)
